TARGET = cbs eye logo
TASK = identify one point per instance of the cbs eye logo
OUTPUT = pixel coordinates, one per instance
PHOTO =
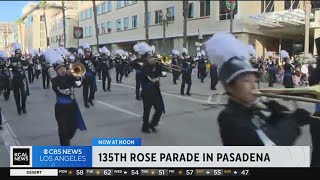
(21, 156)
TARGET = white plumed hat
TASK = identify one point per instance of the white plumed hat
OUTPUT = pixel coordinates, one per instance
(153, 49)
(16, 48)
(53, 57)
(3, 55)
(80, 51)
(105, 51)
(203, 53)
(284, 54)
(143, 49)
(184, 51)
(175, 52)
(86, 47)
(252, 50)
(230, 55)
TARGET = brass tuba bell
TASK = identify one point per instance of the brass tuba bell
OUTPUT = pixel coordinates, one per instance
(77, 69)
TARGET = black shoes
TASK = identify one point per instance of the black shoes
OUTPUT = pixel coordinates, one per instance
(86, 105)
(147, 131)
(91, 103)
(24, 111)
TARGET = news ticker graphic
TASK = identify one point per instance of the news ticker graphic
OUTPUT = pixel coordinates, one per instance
(159, 156)
(130, 172)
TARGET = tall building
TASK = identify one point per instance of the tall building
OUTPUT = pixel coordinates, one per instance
(6, 35)
(267, 24)
(34, 27)
(55, 24)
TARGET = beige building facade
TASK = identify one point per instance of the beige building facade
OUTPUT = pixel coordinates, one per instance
(55, 25)
(121, 24)
(6, 35)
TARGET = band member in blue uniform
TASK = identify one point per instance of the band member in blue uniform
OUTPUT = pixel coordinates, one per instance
(45, 66)
(89, 81)
(186, 68)
(105, 65)
(314, 79)
(288, 70)
(239, 121)
(175, 62)
(4, 75)
(67, 113)
(136, 64)
(150, 81)
(19, 80)
(118, 63)
(31, 66)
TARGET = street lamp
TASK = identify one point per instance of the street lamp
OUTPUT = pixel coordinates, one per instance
(164, 25)
(78, 26)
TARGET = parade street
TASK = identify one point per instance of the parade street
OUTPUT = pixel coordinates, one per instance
(187, 121)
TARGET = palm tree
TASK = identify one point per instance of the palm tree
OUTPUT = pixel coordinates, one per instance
(64, 25)
(185, 5)
(146, 23)
(20, 22)
(43, 5)
(95, 22)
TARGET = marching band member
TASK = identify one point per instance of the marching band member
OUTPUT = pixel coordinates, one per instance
(119, 65)
(105, 65)
(97, 62)
(137, 65)
(19, 80)
(214, 76)
(186, 68)
(288, 70)
(38, 64)
(237, 121)
(67, 111)
(175, 61)
(4, 75)
(30, 62)
(202, 71)
(89, 81)
(150, 81)
(314, 78)
(45, 72)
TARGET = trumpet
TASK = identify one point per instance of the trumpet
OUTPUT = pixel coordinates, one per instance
(166, 61)
(77, 70)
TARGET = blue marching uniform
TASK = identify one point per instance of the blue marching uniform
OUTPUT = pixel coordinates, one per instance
(67, 111)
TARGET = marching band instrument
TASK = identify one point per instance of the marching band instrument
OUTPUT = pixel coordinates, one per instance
(166, 61)
(77, 69)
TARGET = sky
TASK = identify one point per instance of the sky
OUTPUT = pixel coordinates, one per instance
(11, 11)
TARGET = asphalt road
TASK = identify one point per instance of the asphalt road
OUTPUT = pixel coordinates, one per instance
(187, 122)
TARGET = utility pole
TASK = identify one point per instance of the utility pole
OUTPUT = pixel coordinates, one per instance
(164, 23)
(146, 22)
(185, 21)
(64, 25)
(233, 4)
(307, 7)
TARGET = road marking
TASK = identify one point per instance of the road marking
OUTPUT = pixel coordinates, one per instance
(168, 94)
(119, 109)
(8, 136)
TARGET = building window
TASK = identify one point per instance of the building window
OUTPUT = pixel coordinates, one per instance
(119, 3)
(82, 15)
(134, 2)
(103, 7)
(90, 31)
(87, 14)
(170, 14)
(98, 9)
(267, 6)
(119, 25)
(291, 4)
(224, 10)
(158, 17)
(205, 8)
(149, 18)
(42, 35)
(191, 10)
(86, 32)
(126, 23)
(103, 28)
(42, 26)
(134, 22)
(109, 6)
(126, 3)
(109, 26)
(315, 4)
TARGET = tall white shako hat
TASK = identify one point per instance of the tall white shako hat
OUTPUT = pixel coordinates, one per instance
(54, 58)
(143, 49)
(86, 47)
(230, 55)
(16, 48)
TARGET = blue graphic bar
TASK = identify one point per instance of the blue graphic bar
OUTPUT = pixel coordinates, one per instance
(116, 141)
(61, 156)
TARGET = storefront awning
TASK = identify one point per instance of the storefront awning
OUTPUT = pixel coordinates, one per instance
(281, 19)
